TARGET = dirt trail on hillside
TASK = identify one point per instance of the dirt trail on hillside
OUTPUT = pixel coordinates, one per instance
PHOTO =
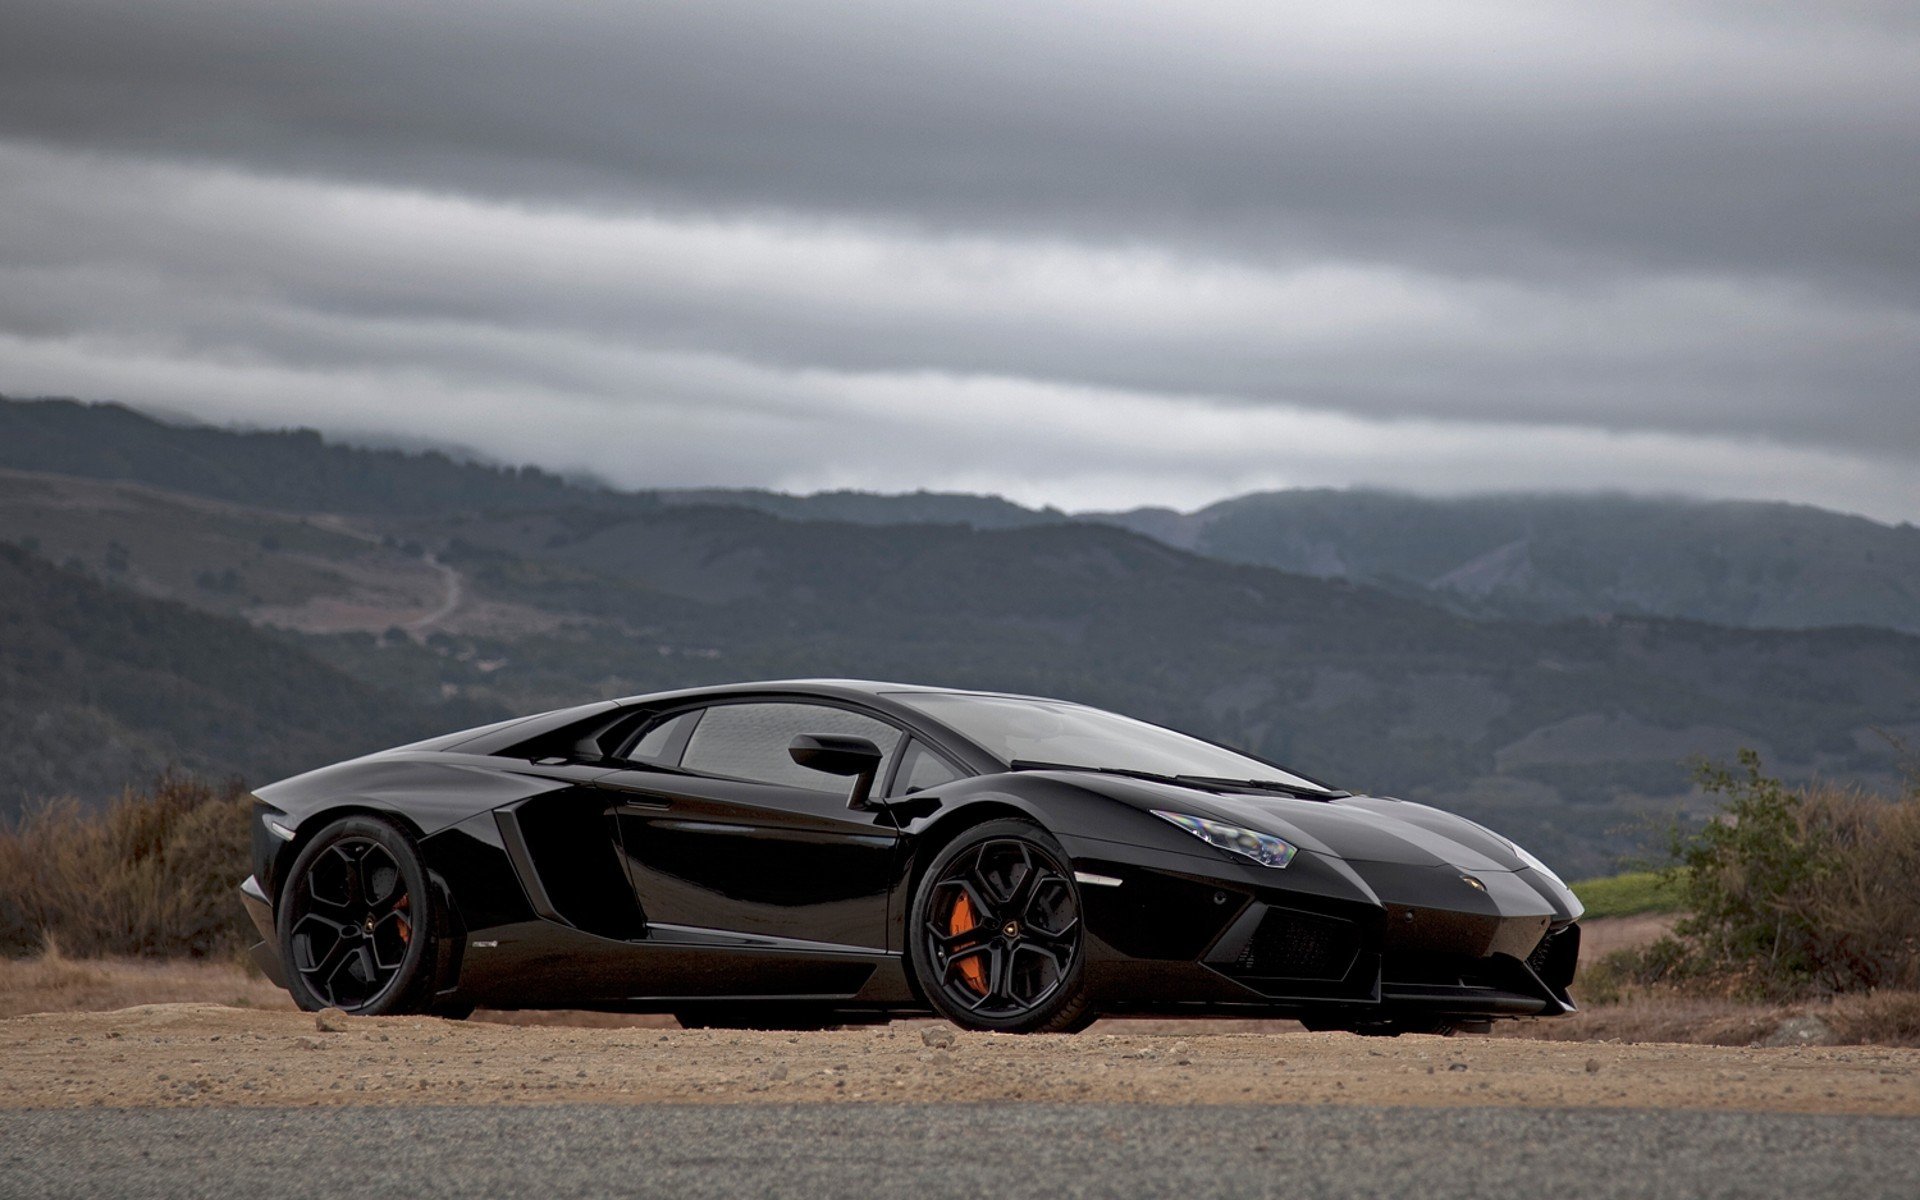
(203, 1054)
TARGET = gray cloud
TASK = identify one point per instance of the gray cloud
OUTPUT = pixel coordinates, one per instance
(1610, 235)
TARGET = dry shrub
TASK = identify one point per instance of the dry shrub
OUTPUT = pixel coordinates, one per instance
(1862, 908)
(1790, 893)
(153, 874)
(1876, 1019)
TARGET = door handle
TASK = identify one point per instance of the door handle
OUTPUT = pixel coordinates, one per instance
(636, 801)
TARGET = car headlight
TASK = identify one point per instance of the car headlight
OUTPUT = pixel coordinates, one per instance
(1263, 848)
(1536, 864)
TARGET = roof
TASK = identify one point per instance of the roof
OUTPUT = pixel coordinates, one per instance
(824, 687)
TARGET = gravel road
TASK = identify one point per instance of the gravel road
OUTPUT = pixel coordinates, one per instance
(974, 1150)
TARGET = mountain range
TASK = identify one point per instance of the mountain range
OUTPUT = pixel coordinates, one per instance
(1547, 664)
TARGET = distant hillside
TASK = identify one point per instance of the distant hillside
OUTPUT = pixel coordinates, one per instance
(1754, 565)
(871, 508)
(1560, 733)
(284, 469)
(100, 688)
(1743, 563)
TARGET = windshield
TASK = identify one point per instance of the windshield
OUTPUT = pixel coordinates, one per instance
(1052, 731)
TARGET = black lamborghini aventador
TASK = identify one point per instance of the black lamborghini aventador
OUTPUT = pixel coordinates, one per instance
(795, 854)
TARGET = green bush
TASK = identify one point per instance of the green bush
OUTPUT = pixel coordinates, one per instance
(1791, 892)
(152, 874)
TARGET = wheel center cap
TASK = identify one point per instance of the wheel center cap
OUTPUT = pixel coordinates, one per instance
(1011, 929)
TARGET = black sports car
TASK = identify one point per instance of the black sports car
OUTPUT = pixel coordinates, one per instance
(803, 853)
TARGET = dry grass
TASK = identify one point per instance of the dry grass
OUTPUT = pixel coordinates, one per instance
(151, 875)
(1864, 906)
(52, 982)
(1866, 1019)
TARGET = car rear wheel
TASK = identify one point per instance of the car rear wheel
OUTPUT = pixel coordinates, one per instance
(996, 936)
(356, 921)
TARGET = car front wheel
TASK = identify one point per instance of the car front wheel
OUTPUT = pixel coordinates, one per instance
(996, 936)
(356, 921)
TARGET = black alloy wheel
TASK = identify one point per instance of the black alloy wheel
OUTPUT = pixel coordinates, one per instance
(355, 921)
(997, 933)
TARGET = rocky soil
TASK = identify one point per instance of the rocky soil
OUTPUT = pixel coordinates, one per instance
(208, 1054)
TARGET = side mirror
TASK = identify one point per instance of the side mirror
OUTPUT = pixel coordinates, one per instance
(838, 754)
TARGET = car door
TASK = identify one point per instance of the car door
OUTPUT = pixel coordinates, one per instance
(729, 841)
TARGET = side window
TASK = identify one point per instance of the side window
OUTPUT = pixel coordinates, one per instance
(920, 769)
(749, 741)
(664, 741)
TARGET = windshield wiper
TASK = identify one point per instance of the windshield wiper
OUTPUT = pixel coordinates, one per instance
(1266, 785)
(1207, 782)
(1030, 764)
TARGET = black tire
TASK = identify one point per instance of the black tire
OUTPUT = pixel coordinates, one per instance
(356, 920)
(995, 936)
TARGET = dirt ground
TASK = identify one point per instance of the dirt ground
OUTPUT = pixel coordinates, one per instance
(131, 1033)
(208, 1054)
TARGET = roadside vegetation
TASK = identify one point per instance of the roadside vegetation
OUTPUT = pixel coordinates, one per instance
(152, 875)
(1789, 893)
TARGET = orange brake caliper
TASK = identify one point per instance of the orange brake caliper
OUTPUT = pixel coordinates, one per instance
(959, 921)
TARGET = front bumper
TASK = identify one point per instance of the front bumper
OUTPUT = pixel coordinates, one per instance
(266, 952)
(1345, 944)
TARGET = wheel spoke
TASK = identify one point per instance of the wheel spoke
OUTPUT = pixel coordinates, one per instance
(1040, 951)
(974, 880)
(389, 941)
(1029, 888)
(330, 961)
(996, 968)
(309, 931)
(356, 888)
(1050, 912)
(985, 915)
(956, 965)
(997, 975)
(953, 941)
(1037, 882)
(1003, 894)
(379, 879)
(339, 906)
(330, 880)
(1059, 938)
(1040, 993)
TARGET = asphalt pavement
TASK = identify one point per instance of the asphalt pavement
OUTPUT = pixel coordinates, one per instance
(980, 1152)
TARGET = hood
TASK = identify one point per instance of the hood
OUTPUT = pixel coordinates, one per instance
(1354, 828)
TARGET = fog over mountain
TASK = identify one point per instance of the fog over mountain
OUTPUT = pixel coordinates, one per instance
(1090, 256)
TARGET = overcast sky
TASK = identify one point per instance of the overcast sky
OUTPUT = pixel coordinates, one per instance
(1091, 254)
